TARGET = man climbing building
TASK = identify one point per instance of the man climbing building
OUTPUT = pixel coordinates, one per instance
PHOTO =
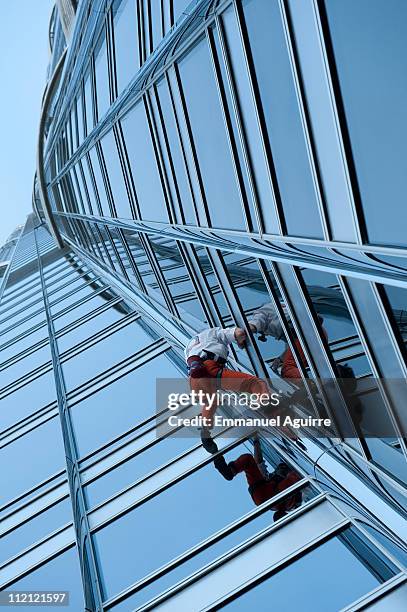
(262, 484)
(206, 355)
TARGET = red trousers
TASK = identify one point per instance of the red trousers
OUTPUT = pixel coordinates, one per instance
(265, 489)
(230, 380)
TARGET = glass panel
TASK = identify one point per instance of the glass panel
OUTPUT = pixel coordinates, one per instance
(115, 174)
(18, 370)
(398, 303)
(30, 459)
(373, 81)
(84, 163)
(6, 336)
(212, 281)
(23, 344)
(133, 397)
(101, 77)
(208, 130)
(282, 116)
(144, 165)
(176, 275)
(99, 182)
(155, 16)
(57, 305)
(89, 329)
(161, 544)
(126, 42)
(88, 103)
(79, 311)
(59, 574)
(179, 8)
(345, 574)
(27, 399)
(177, 158)
(136, 467)
(35, 529)
(105, 353)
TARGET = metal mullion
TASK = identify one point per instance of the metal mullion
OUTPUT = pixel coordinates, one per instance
(37, 301)
(35, 545)
(202, 291)
(132, 262)
(305, 121)
(151, 114)
(180, 141)
(232, 144)
(29, 491)
(93, 179)
(126, 170)
(260, 121)
(149, 251)
(202, 209)
(35, 511)
(105, 178)
(240, 127)
(100, 243)
(342, 130)
(84, 230)
(117, 254)
(92, 589)
(22, 381)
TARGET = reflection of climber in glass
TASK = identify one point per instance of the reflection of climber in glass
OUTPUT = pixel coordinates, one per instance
(263, 485)
(266, 322)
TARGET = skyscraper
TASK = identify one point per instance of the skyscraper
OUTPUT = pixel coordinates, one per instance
(196, 161)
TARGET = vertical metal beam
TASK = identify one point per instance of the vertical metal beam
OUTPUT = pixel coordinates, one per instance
(90, 578)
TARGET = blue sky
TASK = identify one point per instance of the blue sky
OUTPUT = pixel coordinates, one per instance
(23, 64)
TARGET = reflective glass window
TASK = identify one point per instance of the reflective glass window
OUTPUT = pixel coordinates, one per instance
(30, 459)
(144, 166)
(282, 116)
(136, 467)
(16, 371)
(225, 500)
(177, 156)
(373, 82)
(79, 311)
(27, 399)
(11, 332)
(176, 275)
(87, 88)
(100, 185)
(60, 574)
(22, 345)
(115, 174)
(101, 77)
(126, 41)
(179, 7)
(84, 162)
(89, 329)
(119, 406)
(105, 353)
(343, 565)
(57, 305)
(35, 529)
(397, 298)
(209, 134)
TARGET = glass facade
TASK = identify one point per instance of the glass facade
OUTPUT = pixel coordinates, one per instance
(201, 159)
